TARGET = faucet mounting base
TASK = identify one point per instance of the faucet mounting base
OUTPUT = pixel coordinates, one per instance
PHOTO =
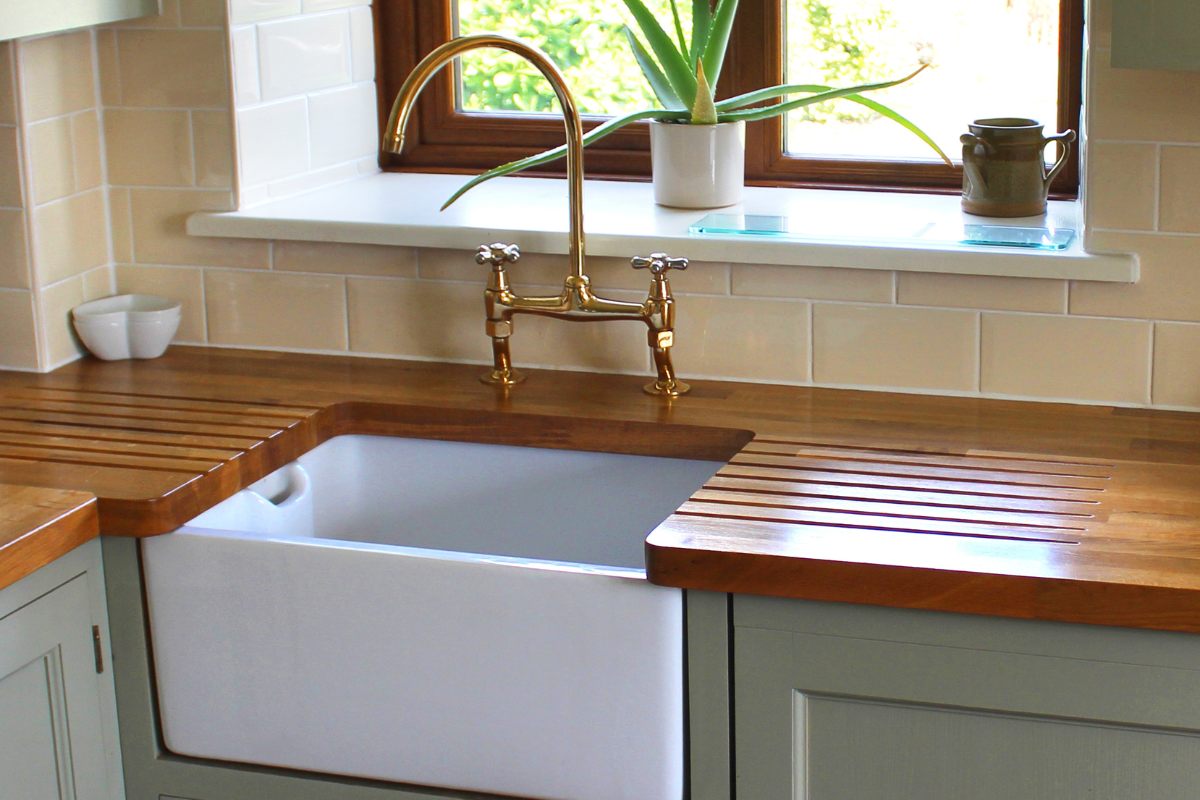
(502, 377)
(666, 388)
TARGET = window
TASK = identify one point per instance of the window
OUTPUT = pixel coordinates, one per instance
(992, 57)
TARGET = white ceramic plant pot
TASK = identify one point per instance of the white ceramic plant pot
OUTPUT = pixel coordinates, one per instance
(698, 166)
(127, 325)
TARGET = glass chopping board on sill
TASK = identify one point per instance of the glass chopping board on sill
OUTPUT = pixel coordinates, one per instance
(932, 232)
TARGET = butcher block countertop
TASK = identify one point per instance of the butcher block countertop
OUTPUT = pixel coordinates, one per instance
(38, 525)
(1039, 511)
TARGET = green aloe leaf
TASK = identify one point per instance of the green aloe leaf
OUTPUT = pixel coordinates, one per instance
(658, 82)
(674, 66)
(683, 47)
(718, 40)
(703, 110)
(895, 116)
(594, 135)
(774, 92)
(701, 24)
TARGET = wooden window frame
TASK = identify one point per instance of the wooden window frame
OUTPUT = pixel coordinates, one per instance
(442, 139)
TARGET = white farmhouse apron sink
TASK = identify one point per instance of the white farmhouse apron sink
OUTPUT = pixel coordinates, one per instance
(445, 614)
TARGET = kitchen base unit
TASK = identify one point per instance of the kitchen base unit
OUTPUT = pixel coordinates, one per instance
(856, 702)
(58, 719)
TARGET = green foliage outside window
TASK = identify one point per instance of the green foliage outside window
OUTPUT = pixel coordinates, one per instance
(584, 37)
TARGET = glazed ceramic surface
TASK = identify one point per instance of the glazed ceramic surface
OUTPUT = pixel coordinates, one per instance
(128, 325)
(698, 166)
(438, 613)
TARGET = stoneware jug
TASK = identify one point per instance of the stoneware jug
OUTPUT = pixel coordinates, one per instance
(1004, 167)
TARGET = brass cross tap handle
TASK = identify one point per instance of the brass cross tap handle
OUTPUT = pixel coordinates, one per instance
(658, 263)
(497, 254)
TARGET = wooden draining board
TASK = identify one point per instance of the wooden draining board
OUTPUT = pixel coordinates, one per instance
(1042, 511)
(975, 530)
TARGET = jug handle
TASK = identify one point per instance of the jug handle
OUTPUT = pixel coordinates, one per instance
(1065, 138)
(973, 169)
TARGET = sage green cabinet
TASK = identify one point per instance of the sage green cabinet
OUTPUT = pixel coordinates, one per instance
(843, 702)
(1156, 34)
(58, 731)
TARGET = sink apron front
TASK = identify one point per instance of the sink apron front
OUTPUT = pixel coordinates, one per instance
(435, 613)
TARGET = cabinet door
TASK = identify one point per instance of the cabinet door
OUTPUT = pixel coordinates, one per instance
(51, 741)
(838, 702)
(1156, 34)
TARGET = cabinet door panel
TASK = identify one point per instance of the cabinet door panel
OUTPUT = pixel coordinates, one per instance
(54, 634)
(847, 715)
(34, 752)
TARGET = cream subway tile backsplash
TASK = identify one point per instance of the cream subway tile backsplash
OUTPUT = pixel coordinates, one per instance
(1100, 360)
(241, 11)
(70, 236)
(813, 283)
(110, 72)
(1180, 198)
(305, 54)
(14, 256)
(185, 284)
(149, 147)
(1176, 354)
(202, 13)
(345, 259)
(158, 217)
(98, 283)
(982, 292)
(11, 195)
(8, 95)
(891, 347)
(1168, 288)
(61, 343)
(89, 158)
(275, 309)
(212, 140)
(52, 159)
(18, 331)
(616, 346)
(443, 320)
(742, 338)
(172, 68)
(342, 124)
(1142, 105)
(122, 225)
(58, 75)
(1125, 177)
(274, 140)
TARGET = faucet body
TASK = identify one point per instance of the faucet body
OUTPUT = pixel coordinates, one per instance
(577, 302)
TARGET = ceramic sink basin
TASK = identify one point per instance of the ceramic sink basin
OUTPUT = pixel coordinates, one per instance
(437, 613)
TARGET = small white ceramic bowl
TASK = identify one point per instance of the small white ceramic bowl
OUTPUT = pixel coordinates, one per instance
(128, 325)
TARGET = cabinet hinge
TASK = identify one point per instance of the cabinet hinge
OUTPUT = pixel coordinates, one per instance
(96, 648)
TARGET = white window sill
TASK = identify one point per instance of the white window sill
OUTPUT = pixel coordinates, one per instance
(621, 219)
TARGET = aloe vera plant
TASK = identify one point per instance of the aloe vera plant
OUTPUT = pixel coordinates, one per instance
(684, 77)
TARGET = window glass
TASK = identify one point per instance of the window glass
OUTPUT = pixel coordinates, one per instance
(584, 37)
(992, 58)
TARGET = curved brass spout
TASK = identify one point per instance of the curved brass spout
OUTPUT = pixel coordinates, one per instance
(393, 139)
(577, 302)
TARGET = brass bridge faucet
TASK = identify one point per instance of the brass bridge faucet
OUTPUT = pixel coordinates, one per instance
(577, 301)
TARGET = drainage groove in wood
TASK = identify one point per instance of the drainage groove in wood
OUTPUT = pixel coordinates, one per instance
(808, 485)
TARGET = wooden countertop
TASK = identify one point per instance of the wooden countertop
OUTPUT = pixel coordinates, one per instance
(1040, 511)
(38, 525)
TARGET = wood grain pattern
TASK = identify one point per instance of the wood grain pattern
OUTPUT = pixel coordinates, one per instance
(38, 525)
(1043, 511)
